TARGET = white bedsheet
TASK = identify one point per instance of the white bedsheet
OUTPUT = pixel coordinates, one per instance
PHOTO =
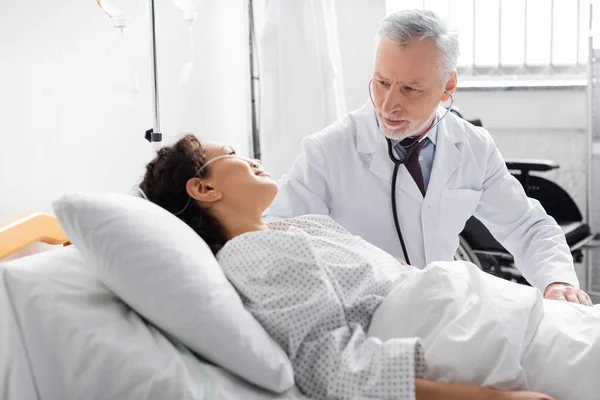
(16, 381)
(478, 329)
(65, 336)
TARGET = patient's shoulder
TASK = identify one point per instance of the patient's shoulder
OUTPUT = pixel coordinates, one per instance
(309, 223)
(287, 237)
(262, 255)
(281, 235)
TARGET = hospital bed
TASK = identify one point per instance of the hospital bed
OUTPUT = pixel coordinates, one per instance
(64, 335)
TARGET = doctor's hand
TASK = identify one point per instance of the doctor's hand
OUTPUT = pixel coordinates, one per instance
(566, 292)
(401, 261)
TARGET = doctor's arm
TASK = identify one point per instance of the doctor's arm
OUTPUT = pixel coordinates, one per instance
(523, 227)
(305, 189)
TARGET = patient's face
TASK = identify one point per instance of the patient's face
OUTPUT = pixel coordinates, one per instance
(240, 182)
(407, 87)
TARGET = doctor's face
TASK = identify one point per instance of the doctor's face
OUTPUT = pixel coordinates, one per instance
(407, 87)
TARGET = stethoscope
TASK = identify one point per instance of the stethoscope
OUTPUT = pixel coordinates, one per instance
(398, 162)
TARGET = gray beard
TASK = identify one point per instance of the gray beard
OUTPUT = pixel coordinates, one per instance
(410, 131)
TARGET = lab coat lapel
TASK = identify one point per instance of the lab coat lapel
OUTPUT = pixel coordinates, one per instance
(383, 167)
(372, 142)
(407, 184)
(447, 157)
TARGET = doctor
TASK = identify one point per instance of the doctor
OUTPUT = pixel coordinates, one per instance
(446, 170)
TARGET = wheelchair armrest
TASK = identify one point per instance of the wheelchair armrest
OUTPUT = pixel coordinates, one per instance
(525, 165)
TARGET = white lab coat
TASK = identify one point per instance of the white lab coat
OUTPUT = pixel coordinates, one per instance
(345, 172)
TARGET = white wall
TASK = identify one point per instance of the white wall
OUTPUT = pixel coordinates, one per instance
(66, 124)
(66, 121)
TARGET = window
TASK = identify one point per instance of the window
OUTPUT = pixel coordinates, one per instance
(528, 42)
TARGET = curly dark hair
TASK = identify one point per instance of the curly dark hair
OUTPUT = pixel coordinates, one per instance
(165, 181)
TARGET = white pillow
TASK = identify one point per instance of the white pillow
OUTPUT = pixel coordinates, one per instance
(166, 272)
(82, 342)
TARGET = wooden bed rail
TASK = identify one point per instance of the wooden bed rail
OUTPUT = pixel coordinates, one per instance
(32, 228)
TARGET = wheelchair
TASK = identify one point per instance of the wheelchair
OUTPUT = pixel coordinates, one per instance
(477, 245)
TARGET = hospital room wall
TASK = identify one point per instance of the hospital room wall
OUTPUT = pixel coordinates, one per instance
(546, 124)
(69, 121)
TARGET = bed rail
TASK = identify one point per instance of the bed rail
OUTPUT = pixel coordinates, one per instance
(32, 228)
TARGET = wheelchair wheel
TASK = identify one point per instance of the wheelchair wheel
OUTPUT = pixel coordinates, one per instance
(465, 253)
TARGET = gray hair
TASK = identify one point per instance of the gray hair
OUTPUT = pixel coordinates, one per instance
(402, 26)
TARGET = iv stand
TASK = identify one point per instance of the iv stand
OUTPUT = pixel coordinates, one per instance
(153, 135)
(254, 82)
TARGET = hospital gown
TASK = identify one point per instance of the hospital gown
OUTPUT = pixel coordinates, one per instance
(314, 287)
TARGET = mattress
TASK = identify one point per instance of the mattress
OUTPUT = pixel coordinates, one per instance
(64, 336)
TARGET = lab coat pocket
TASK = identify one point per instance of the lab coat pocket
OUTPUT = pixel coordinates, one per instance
(457, 206)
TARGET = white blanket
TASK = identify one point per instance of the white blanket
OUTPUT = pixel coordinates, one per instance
(479, 329)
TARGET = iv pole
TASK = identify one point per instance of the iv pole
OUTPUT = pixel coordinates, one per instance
(254, 83)
(153, 135)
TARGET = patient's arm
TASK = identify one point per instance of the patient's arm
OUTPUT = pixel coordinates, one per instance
(427, 390)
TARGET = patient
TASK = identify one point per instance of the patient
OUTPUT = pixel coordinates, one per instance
(356, 323)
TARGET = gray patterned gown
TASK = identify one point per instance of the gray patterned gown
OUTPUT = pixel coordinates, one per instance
(314, 287)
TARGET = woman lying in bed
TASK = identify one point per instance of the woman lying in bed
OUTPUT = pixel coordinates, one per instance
(357, 324)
